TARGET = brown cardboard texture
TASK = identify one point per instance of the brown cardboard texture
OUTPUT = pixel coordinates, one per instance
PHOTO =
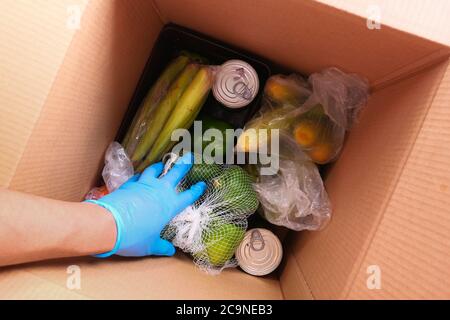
(65, 90)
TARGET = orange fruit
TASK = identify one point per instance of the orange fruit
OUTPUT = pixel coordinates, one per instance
(306, 133)
(279, 91)
(321, 153)
(97, 193)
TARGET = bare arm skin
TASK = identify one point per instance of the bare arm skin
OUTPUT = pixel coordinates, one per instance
(35, 228)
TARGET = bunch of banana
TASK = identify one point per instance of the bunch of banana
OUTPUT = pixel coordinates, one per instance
(150, 102)
(172, 103)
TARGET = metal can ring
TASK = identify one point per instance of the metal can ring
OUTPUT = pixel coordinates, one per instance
(260, 252)
(236, 84)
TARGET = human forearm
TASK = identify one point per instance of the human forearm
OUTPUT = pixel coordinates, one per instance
(126, 222)
(35, 228)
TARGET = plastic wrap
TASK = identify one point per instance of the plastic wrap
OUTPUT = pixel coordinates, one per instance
(321, 122)
(315, 115)
(312, 118)
(118, 168)
(294, 196)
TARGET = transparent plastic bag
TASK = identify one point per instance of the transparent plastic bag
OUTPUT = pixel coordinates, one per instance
(118, 167)
(282, 94)
(316, 115)
(286, 91)
(292, 196)
(213, 227)
(117, 170)
(320, 124)
(312, 119)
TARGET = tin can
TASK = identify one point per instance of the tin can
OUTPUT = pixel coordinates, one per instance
(260, 252)
(236, 84)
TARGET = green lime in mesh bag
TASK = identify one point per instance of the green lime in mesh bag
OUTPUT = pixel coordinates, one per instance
(203, 172)
(220, 241)
(212, 228)
(235, 187)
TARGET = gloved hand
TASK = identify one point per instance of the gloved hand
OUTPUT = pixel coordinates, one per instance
(145, 204)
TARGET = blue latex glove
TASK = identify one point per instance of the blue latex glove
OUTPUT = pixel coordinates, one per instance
(145, 204)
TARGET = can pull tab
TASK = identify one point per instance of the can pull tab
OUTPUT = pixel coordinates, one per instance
(257, 241)
(169, 160)
(241, 87)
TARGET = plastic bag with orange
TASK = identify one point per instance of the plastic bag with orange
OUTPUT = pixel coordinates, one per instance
(311, 118)
(316, 114)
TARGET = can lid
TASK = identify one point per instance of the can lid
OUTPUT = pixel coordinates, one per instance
(236, 84)
(260, 252)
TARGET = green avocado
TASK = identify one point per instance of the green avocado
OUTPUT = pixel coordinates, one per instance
(219, 145)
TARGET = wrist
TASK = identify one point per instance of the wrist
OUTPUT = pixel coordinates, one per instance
(115, 227)
(105, 235)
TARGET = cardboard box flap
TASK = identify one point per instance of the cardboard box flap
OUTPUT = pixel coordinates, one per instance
(426, 19)
(85, 105)
(292, 280)
(306, 36)
(411, 247)
(121, 278)
(34, 39)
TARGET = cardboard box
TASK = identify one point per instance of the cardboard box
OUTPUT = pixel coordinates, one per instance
(65, 87)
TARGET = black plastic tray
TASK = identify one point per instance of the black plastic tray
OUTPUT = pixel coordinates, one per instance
(171, 41)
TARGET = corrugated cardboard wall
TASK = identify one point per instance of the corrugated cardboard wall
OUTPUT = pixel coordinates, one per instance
(292, 280)
(68, 126)
(361, 187)
(130, 278)
(425, 18)
(411, 247)
(89, 96)
(34, 38)
(291, 34)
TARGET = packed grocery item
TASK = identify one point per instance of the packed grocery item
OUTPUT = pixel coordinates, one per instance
(315, 114)
(312, 118)
(96, 193)
(236, 84)
(214, 146)
(212, 228)
(260, 252)
(173, 102)
(294, 195)
(282, 94)
(118, 168)
(145, 114)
